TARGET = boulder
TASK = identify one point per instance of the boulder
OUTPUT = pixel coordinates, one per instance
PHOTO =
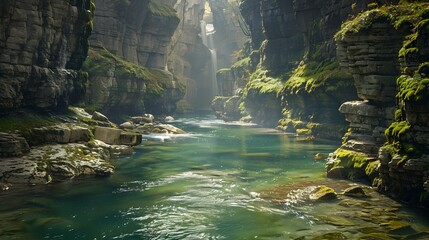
(141, 119)
(99, 117)
(60, 133)
(337, 172)
(12, 145)
(355, 191)
(323, 193)
(127, 125)
(108, 135)
(130, 139)
(169, 128)
(168, 119)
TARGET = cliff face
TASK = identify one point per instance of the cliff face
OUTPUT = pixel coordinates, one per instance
(42, 47)
(292, 72)
(386, 49)
(128, 57)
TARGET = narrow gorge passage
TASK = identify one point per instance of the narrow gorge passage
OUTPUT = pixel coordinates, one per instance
(214, 119)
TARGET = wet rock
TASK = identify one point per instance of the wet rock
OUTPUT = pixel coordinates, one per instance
(336, 221)
(99, 117)
(130, 139)
(331, 236)
(12, 145)
(355, 191)
(319, 156)
(337, 172)
(396, 226)
(169, 128)
(116, 150)
(127, 125)
(375, 236)
(323, 193)
(168, 119)
(55, 162)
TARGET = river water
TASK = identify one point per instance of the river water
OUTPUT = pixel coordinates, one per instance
(219, 181)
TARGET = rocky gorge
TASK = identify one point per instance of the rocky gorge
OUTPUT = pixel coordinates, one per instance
(83, 81)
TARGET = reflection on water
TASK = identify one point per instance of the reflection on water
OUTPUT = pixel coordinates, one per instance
(219, 181)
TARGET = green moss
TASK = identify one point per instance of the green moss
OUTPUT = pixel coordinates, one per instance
(424, 69)
(371, 169)
(397, 130)
(243, 63)
(361, 22)
(264, 82)
(412, 89)
(100, 62)
(405, 14)
(350, 159)
(312, 75)
(25, 121)
(159, 9)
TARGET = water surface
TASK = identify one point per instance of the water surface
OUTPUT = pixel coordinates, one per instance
(219, 181)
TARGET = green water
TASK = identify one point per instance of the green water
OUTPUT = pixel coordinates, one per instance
(217, 182)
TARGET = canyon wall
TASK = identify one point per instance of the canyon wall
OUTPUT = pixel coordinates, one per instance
(128, 57)
(42, 47)
(292, 75)
(386, 50)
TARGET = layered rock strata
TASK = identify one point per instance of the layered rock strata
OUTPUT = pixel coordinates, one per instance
(386, 142)
(128, 57)
(42, 47)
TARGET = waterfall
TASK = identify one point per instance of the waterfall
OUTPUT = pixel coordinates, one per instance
(207, 33)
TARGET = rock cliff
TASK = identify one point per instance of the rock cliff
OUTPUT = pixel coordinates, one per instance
(291, 70)
(128, 57)
(386, 50)
(42, 47)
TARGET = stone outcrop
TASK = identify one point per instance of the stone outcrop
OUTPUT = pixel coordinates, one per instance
(128, 57)
(63, 148)
(12, 145)
(388, 127)
(42, 47)
(49, 163)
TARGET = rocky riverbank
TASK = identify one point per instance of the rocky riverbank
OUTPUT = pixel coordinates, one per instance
(72, 145)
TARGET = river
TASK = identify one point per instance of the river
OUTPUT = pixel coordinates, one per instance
(219, 181)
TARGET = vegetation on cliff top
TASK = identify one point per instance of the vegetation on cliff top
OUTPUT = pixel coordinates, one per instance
(100, 62)
(160, 9)
(405, 14)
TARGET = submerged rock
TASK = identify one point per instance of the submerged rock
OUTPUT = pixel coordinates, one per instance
(331, 236)
(323, 193)
(355, 191)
